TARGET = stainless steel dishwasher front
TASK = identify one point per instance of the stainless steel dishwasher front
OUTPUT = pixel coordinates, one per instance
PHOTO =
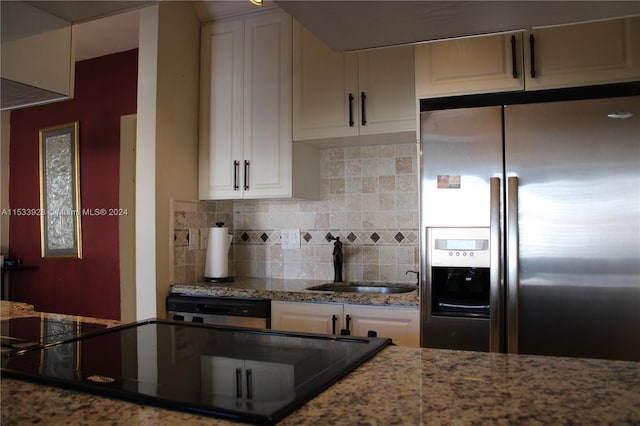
(234, 311)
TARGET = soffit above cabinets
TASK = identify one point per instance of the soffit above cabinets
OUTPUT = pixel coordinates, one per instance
(76, 11)
(358, 25)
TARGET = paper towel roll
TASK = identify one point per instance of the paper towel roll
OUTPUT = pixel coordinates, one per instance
(217, 260)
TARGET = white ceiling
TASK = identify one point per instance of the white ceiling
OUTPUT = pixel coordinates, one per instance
(115, 33)
(355, 25)
(105, 27)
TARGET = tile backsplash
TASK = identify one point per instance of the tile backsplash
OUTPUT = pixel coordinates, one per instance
(369, 198)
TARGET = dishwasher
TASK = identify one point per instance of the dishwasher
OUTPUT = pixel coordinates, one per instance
(234, 311)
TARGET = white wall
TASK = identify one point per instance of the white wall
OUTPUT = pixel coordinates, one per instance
(167, 141)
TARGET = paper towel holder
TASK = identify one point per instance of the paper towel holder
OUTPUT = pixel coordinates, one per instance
(217, 279)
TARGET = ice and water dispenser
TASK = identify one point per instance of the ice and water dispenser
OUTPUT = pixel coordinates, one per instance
(460, 282)
(456, 298)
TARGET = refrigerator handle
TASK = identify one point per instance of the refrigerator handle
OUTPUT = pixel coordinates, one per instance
(512, 255)
(495, 294)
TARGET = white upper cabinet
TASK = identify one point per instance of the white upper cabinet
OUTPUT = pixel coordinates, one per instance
(386, 79)
(338, 95)
(583, 54)
(468, 66)
(246, 148)
(553, 57)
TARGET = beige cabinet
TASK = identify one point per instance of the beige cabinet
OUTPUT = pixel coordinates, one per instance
(583, 54)
(338, 95)
(322, 318)
(246, 149)
(553, 57)
(468, 66)
(401, 324)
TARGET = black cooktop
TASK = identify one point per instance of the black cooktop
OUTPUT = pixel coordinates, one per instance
(250, 375)
(20, 333)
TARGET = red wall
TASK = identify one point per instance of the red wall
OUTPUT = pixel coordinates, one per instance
(105, 89)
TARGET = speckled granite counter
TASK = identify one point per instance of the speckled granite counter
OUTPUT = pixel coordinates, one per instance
(10, 309)
(401, 385)
(294, 291)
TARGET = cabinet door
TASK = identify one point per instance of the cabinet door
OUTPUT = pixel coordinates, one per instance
(583, 54)
(472, 65)
(306, 317)
(402, 325)
(267, 106)
(322, 82)
(221, 109)
(386, 78)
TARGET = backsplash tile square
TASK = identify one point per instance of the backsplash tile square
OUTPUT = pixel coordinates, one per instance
(369, 198)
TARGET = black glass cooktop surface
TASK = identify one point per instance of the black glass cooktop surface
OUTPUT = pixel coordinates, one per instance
(20, 333)
(250, 375)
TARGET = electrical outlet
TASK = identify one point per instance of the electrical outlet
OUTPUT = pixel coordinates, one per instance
(204, 238)
(290, 238)
(194, 238)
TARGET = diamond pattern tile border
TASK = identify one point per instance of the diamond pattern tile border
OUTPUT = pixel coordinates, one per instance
(404, 237)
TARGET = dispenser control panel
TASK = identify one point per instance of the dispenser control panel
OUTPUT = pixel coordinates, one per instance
(465, 247)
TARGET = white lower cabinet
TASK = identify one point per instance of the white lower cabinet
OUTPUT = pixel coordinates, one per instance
(400, 324)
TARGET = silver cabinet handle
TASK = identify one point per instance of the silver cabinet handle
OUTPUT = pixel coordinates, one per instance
(495, 275)
(513, 279)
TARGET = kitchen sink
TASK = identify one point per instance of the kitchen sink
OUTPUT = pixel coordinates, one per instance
(365, 288)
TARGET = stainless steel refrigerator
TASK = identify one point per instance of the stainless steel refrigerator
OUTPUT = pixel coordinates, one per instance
(530, 223)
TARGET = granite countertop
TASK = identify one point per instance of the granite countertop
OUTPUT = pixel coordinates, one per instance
(294, 291)
(401, 385)
(10, 309)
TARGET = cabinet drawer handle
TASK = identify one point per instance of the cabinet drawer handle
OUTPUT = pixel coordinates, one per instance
(363, 97)
(514, 61)
(334, 320)
(246, 175)
(532, 45)
(236, 175)
(350, 110)
(348, 318)
(238, 382)
(249, 384)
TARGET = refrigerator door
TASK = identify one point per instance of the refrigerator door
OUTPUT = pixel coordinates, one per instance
(461, 153)
(578, 228)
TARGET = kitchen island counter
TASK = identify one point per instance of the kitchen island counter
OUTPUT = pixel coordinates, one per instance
(400, 385)
(292, 291)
